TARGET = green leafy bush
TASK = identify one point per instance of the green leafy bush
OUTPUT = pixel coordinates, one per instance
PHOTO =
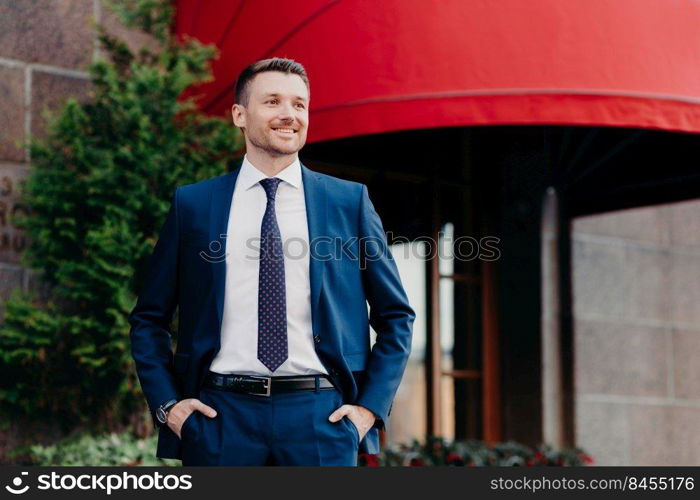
(109, 449)
(99, 188)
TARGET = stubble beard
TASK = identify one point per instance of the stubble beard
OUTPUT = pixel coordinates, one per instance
(269, 148)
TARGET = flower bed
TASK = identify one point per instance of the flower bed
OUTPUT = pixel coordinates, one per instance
(439, 452)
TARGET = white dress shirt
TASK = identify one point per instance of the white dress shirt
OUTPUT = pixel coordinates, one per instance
(239, 326)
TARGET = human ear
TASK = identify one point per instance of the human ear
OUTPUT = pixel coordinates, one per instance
(238, 115)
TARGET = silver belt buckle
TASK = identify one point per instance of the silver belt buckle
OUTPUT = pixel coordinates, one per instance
(267, 385)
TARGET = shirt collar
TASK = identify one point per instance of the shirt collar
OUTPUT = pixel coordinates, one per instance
(249, 176)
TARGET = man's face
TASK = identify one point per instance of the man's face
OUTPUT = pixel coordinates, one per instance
(277, 115)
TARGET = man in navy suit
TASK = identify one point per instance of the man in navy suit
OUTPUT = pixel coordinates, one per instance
(272, 267)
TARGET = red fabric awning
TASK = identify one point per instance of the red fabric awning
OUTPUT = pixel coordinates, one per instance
(406, 64)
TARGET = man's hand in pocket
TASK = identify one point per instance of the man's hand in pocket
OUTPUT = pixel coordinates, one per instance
(183, 409)
(360, 416)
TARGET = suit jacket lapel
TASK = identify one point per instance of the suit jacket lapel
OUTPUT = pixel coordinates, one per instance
(219, 209)
(316, 205)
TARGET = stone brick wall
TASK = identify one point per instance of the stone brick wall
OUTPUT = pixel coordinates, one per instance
(637, 335)
(45, 49)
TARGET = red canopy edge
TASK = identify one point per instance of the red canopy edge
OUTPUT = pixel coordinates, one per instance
(394, 65)
(360, 118)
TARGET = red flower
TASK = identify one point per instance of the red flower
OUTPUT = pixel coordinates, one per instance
(530, 463)
(369, 460)
(417, 462)
(586, 459)
(539, 456)
(454, 458)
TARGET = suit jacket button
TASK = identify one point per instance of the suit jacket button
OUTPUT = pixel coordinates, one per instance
(317, 339)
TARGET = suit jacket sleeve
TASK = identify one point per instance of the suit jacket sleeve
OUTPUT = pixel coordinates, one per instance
(390, 314)
(151, 345)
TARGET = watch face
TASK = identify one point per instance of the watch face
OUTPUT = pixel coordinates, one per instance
(160, 414)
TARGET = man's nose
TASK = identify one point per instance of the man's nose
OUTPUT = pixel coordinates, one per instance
(287, 112)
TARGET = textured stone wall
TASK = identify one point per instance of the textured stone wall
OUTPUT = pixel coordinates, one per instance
(45, 49)
(637, 335)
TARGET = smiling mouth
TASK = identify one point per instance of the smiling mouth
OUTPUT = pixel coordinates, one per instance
(288, 131)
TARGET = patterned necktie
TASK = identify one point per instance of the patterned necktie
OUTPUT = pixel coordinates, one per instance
(272, 301)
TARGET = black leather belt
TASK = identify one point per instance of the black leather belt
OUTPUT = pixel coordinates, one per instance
(265, 386)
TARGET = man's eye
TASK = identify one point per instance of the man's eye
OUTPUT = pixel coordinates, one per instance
(300, 105)
(272, 101)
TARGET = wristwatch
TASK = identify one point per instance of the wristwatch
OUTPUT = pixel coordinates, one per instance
(162, 411)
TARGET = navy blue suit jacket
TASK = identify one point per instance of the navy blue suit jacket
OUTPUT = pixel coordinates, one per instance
(350, 266)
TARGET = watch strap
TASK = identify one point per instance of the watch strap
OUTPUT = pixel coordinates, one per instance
(162, 412)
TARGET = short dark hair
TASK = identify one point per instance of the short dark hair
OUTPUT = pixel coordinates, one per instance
(288, 66)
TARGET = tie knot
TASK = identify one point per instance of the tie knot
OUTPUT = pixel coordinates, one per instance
(270, 186)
